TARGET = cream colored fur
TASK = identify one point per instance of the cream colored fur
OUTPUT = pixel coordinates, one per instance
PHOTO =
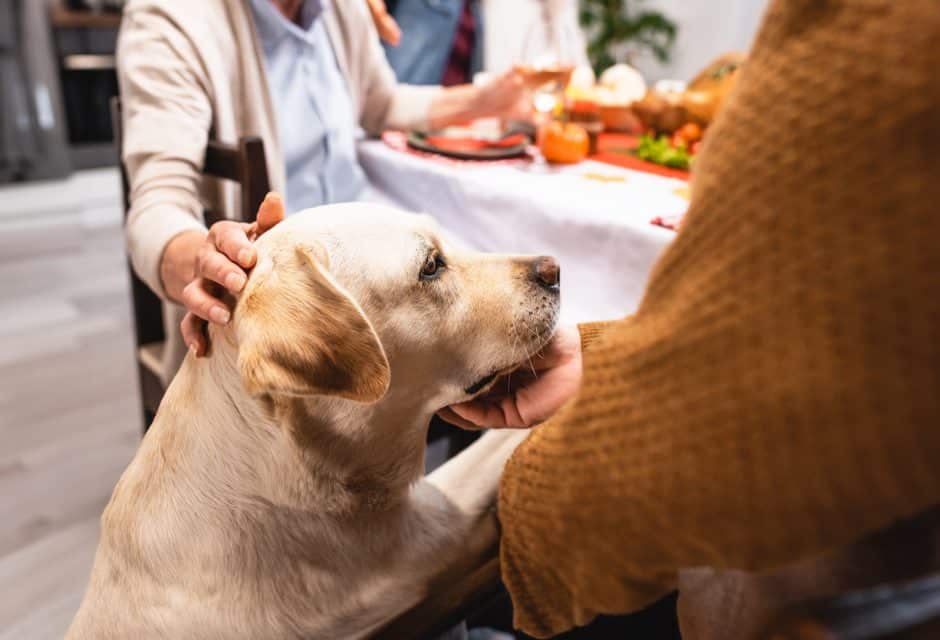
(279, 492)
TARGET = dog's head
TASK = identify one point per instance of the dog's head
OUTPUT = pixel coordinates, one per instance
(360, 301)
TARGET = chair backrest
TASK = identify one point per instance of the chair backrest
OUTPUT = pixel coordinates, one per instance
(244, 163)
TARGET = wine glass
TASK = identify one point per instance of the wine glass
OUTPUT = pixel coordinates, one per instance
(546, 60)
(548, 57)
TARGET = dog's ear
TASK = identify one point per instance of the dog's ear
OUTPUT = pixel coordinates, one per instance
(299, 333)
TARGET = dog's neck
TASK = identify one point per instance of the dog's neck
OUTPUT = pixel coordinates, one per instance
(320, 452)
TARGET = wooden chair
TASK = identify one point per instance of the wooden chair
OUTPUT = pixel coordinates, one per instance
(898, 611)
(243, 163)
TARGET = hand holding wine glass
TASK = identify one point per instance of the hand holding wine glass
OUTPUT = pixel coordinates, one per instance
(547, 59)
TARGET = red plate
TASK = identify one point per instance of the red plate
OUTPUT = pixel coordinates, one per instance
(468, 148)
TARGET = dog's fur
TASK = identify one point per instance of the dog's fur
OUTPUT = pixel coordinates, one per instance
(278, 493)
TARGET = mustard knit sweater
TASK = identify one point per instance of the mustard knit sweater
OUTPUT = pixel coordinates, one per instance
(777, 393)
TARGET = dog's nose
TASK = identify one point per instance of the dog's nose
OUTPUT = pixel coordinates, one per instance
(546, 271)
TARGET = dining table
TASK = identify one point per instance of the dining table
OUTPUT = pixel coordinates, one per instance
(603, 219)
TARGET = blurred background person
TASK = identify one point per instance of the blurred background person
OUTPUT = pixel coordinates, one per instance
(449, 41)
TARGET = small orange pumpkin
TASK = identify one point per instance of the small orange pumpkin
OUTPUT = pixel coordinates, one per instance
(564, 143)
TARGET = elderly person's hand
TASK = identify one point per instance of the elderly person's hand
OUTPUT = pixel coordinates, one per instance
(508, 96)
(505, 96)
(388, 29)
(529, 395)
(196, 265)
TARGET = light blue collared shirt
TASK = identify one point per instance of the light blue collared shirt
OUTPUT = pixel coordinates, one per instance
(314, 110)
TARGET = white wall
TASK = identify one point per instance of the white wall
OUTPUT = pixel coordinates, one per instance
(707, 28)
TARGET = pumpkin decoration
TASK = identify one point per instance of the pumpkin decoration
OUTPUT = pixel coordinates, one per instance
(563, 142)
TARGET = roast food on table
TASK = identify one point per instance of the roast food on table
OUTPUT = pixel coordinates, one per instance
(665, 110)
(672, 116)
(613, 94)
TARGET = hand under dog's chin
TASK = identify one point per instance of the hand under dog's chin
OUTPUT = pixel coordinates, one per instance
(485, 383)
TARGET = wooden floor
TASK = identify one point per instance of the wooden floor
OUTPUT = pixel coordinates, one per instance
(69, 419)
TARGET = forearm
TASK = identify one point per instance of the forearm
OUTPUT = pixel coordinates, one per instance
(503, 96)
(454, 105)
(166, 115)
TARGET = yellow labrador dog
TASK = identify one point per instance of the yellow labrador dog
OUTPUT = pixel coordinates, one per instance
(279, 492)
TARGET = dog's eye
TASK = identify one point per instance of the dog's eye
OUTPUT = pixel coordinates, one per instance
(432, 266)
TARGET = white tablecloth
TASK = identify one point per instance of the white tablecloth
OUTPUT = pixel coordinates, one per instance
(600, 231)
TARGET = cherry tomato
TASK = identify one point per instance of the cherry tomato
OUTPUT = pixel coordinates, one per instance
(690, 132)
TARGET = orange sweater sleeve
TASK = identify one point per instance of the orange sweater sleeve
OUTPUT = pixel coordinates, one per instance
(776, 393)
(591, 332)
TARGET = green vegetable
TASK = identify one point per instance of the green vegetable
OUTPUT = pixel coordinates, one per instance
(724, 70)
(661, 151)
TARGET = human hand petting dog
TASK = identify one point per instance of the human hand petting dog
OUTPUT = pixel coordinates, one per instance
(195, 265)
(528, 396)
